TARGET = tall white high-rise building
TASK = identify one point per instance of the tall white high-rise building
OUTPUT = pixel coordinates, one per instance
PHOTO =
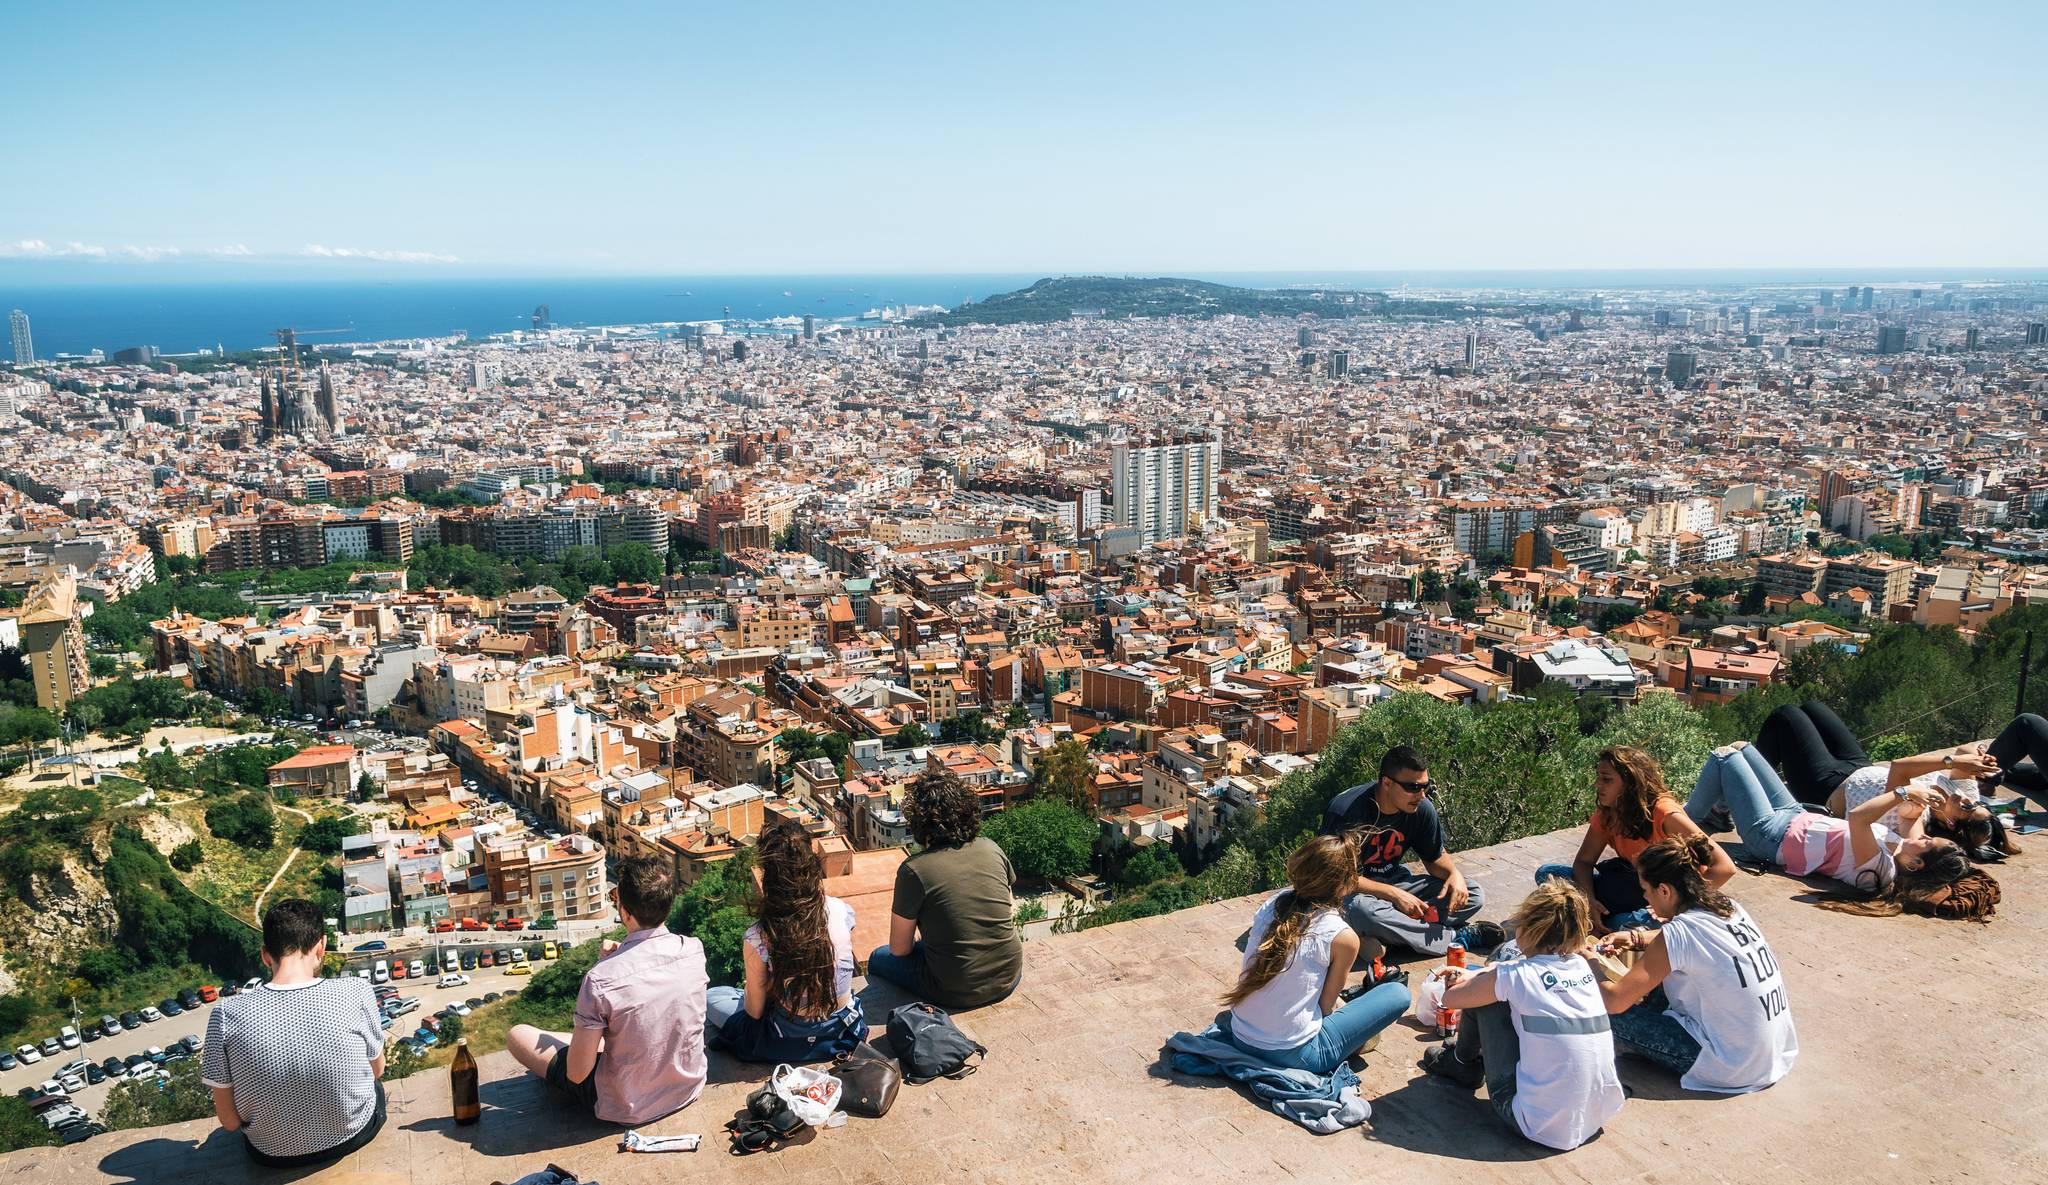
(1165, 489)
(24, 346)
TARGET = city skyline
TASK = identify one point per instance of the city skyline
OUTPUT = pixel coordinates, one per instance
(1053, 140)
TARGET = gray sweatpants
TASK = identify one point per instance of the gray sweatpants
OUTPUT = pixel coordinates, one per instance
(1375, 918)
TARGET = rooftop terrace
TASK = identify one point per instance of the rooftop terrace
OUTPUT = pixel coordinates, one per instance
(1921, 1060)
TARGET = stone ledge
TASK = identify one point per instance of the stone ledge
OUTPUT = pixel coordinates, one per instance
(1921, 1060)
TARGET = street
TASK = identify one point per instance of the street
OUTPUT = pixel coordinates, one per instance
(162, 1033)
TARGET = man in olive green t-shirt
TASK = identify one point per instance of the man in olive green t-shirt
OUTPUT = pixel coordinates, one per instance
(952, 937)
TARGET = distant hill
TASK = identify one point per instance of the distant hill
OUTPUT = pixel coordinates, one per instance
(1058, 298)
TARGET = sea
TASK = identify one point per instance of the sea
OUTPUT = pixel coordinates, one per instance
(79, 313)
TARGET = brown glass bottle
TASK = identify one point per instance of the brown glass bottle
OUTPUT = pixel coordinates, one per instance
(462, 1079)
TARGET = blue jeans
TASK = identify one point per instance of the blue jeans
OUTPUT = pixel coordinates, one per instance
(907, 972)
(1615, 890)
(1344, 1032)
(1746, 784)
(1646, 1030)
(778, 1036)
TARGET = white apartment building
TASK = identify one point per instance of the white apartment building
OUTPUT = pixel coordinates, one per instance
(1164, 490)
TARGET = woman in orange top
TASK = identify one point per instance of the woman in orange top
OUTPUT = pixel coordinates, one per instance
(1635, 809)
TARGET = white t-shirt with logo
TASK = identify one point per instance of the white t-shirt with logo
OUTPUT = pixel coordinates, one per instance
(1725, 990)
(1565, 1086)
(1288, 1010)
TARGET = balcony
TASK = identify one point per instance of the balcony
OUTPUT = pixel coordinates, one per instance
(1073, 1092)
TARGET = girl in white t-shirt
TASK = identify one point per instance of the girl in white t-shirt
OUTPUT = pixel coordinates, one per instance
(1284, 1010)
(798, 1004)
(1535, 1028)
(1705, 999)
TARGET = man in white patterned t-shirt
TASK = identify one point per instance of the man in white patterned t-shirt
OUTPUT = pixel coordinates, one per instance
(294, 1065)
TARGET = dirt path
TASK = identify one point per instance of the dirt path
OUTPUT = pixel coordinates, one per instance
(289, 859)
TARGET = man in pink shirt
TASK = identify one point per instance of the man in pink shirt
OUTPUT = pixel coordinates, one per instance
(638, 1049)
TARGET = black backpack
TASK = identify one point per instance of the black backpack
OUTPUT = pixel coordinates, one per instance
(930, 1045)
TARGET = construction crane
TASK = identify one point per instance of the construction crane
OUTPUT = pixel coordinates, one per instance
(288, 340)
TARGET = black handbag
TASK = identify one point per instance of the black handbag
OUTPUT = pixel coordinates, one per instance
(868, 1080)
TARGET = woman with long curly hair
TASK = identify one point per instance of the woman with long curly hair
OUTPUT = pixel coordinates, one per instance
(1633, 808)
(1284, 1009)
(952, 931)
(1892, 867)
(798, 1005)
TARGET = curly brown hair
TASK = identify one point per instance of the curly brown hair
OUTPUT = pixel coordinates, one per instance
(941, 810)
(1946, 885)
(1634, 813)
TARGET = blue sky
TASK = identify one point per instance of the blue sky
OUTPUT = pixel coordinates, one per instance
(447, 138)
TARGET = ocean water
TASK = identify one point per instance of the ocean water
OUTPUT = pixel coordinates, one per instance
(80, 313)
(180, 318)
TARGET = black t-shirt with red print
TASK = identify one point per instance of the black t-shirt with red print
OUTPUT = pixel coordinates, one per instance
(1387, 836)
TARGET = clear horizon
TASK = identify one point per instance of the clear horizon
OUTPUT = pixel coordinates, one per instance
(649, 140)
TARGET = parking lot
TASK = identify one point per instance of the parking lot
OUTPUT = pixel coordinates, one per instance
(164, 1032)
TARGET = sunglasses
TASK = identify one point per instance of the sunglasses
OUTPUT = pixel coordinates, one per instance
(1422, 787)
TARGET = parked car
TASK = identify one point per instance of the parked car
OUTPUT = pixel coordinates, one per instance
(228, 989)
(387, 1020)
(114, 1067)
(485, 958)
(545, 921)
(519, 969)
(29, 1094)
(456, 1008)
(416, 969)
(188, 999)
(73, 1083)
(512, 924)
(518, 954)
(380, 972)
(493, 997)
(81, 1133)
(209, 993)
(551, 951)
(384, 991)
(68, 1037)
(131, 1019)
(449, 961)
(91, 1032)
(469, 924)
(50, 1086)
(169, 1006)
(75, 1066)
(444, 926)
(468, 960)
(8, 1061)
(191, 1042)
(155, 1053)
(28, 1054)
(475, 1001)
(94, 1075)
(366, 947)
(110, 1024)
(51, 1048)
(398, 969)
(454, 980)
(252, 983)
(135, 1061)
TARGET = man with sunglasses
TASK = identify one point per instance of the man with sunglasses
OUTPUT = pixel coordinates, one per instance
(1422, 910)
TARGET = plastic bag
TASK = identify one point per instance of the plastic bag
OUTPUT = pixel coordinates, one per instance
(812, 1094)
(1429, 998)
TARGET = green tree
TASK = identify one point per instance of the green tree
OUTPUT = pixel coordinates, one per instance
(246, 820)
(1066, 773)
(1564, 613)
(20, 1128)
(451, 1029)
(187, 856)
(1431, 586)
(1044, 838)
(1154, 863)
(403, 1061)
(910, 736)
(634, 563)
(324, 836)
(366, 785)
(1018, 716)
(178, 1097)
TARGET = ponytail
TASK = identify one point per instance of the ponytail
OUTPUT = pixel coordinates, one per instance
(1320, 873)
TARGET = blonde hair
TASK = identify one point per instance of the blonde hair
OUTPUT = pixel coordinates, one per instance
(1553, 920)
(1319, 874)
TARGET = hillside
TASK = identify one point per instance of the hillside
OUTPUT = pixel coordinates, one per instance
(1057, 298)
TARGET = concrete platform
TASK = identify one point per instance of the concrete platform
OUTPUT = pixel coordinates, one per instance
(1923, 1047)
